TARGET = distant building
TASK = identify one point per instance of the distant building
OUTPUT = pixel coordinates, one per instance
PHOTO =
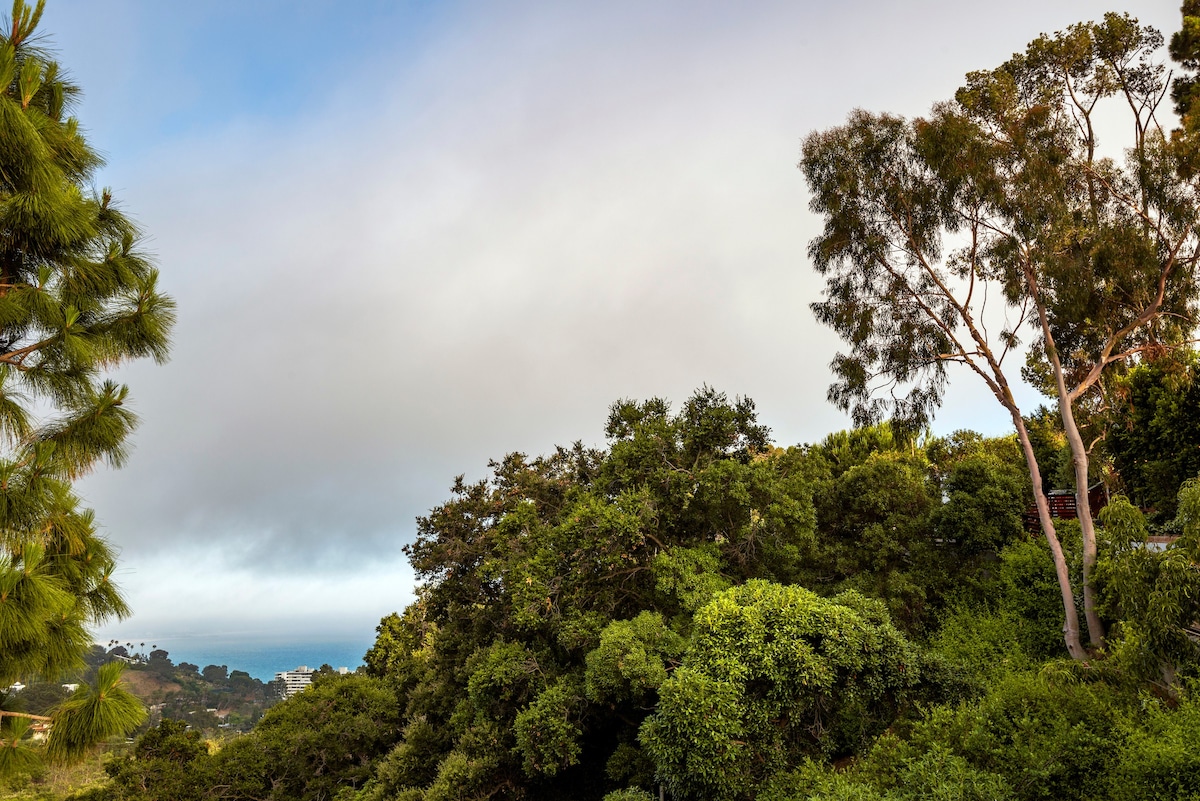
(293, 681)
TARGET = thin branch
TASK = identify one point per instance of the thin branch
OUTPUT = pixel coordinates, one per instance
(5, 713)
(1147, 314)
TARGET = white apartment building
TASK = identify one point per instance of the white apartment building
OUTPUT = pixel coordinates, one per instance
(295, 680)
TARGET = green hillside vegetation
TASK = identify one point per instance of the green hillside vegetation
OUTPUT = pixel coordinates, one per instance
(693, 609)
(214, 704)
(188, 692)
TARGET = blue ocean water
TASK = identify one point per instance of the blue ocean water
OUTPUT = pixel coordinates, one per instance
(261, 657)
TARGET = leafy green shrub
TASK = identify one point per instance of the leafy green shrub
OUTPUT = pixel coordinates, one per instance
(632, 658)
(772, 673)
(983, 646)
(168, 761)
(1161, 759)
(1028, 591)
(1043, 738)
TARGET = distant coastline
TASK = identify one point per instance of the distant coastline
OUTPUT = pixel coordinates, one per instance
(262, 658)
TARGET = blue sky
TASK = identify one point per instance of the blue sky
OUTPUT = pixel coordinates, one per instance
(409, 237)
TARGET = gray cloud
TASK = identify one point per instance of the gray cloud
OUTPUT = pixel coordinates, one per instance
(474, 246)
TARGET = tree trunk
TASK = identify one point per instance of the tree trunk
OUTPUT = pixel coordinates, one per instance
(1080, 459)
(1070, 615)
(1083, 508)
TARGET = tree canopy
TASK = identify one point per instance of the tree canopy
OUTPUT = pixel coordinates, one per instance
(999, 222)
(579, 612)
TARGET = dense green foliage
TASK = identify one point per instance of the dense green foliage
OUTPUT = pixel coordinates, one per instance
(595, 620)
(774, 673)
(694, 612)
(1154, 434)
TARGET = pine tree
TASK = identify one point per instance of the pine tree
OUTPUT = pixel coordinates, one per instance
(77, 298)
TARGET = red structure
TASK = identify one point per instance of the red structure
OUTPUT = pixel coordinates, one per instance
(1063, 507)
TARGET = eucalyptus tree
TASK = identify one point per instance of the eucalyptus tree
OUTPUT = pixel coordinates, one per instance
(999, 221)
(78, 297)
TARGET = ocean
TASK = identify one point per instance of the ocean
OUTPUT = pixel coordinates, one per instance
(260, 657)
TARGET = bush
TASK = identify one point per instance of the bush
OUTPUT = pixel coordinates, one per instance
(773, 673)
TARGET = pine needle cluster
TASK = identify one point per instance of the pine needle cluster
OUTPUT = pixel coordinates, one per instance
(78, 297)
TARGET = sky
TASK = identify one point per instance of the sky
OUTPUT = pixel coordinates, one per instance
(409, 237)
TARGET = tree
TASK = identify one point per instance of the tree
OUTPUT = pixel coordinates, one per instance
(77, 297)
(556, 597)
(1155, 595)
(1154, 433)
(947, 239)
(215, 674)
(308, 748)
(772, 674)
(165, 763)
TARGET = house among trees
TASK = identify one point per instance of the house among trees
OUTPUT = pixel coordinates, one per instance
(1063, 505)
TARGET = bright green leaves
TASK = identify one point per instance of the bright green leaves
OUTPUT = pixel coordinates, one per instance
(24, 20)
(771, 673)
(16, 755)
(8, 65)
(30, 80)
(1154, 595)
(688, 578)
(632, 659)
(32, 601)
(698, 740)
(1160, 759)
(399, 646)
(95, 426)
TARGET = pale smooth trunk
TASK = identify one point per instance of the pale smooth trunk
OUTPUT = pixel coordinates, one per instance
(1080, 459)
(1070, 615)
(1083, 506)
